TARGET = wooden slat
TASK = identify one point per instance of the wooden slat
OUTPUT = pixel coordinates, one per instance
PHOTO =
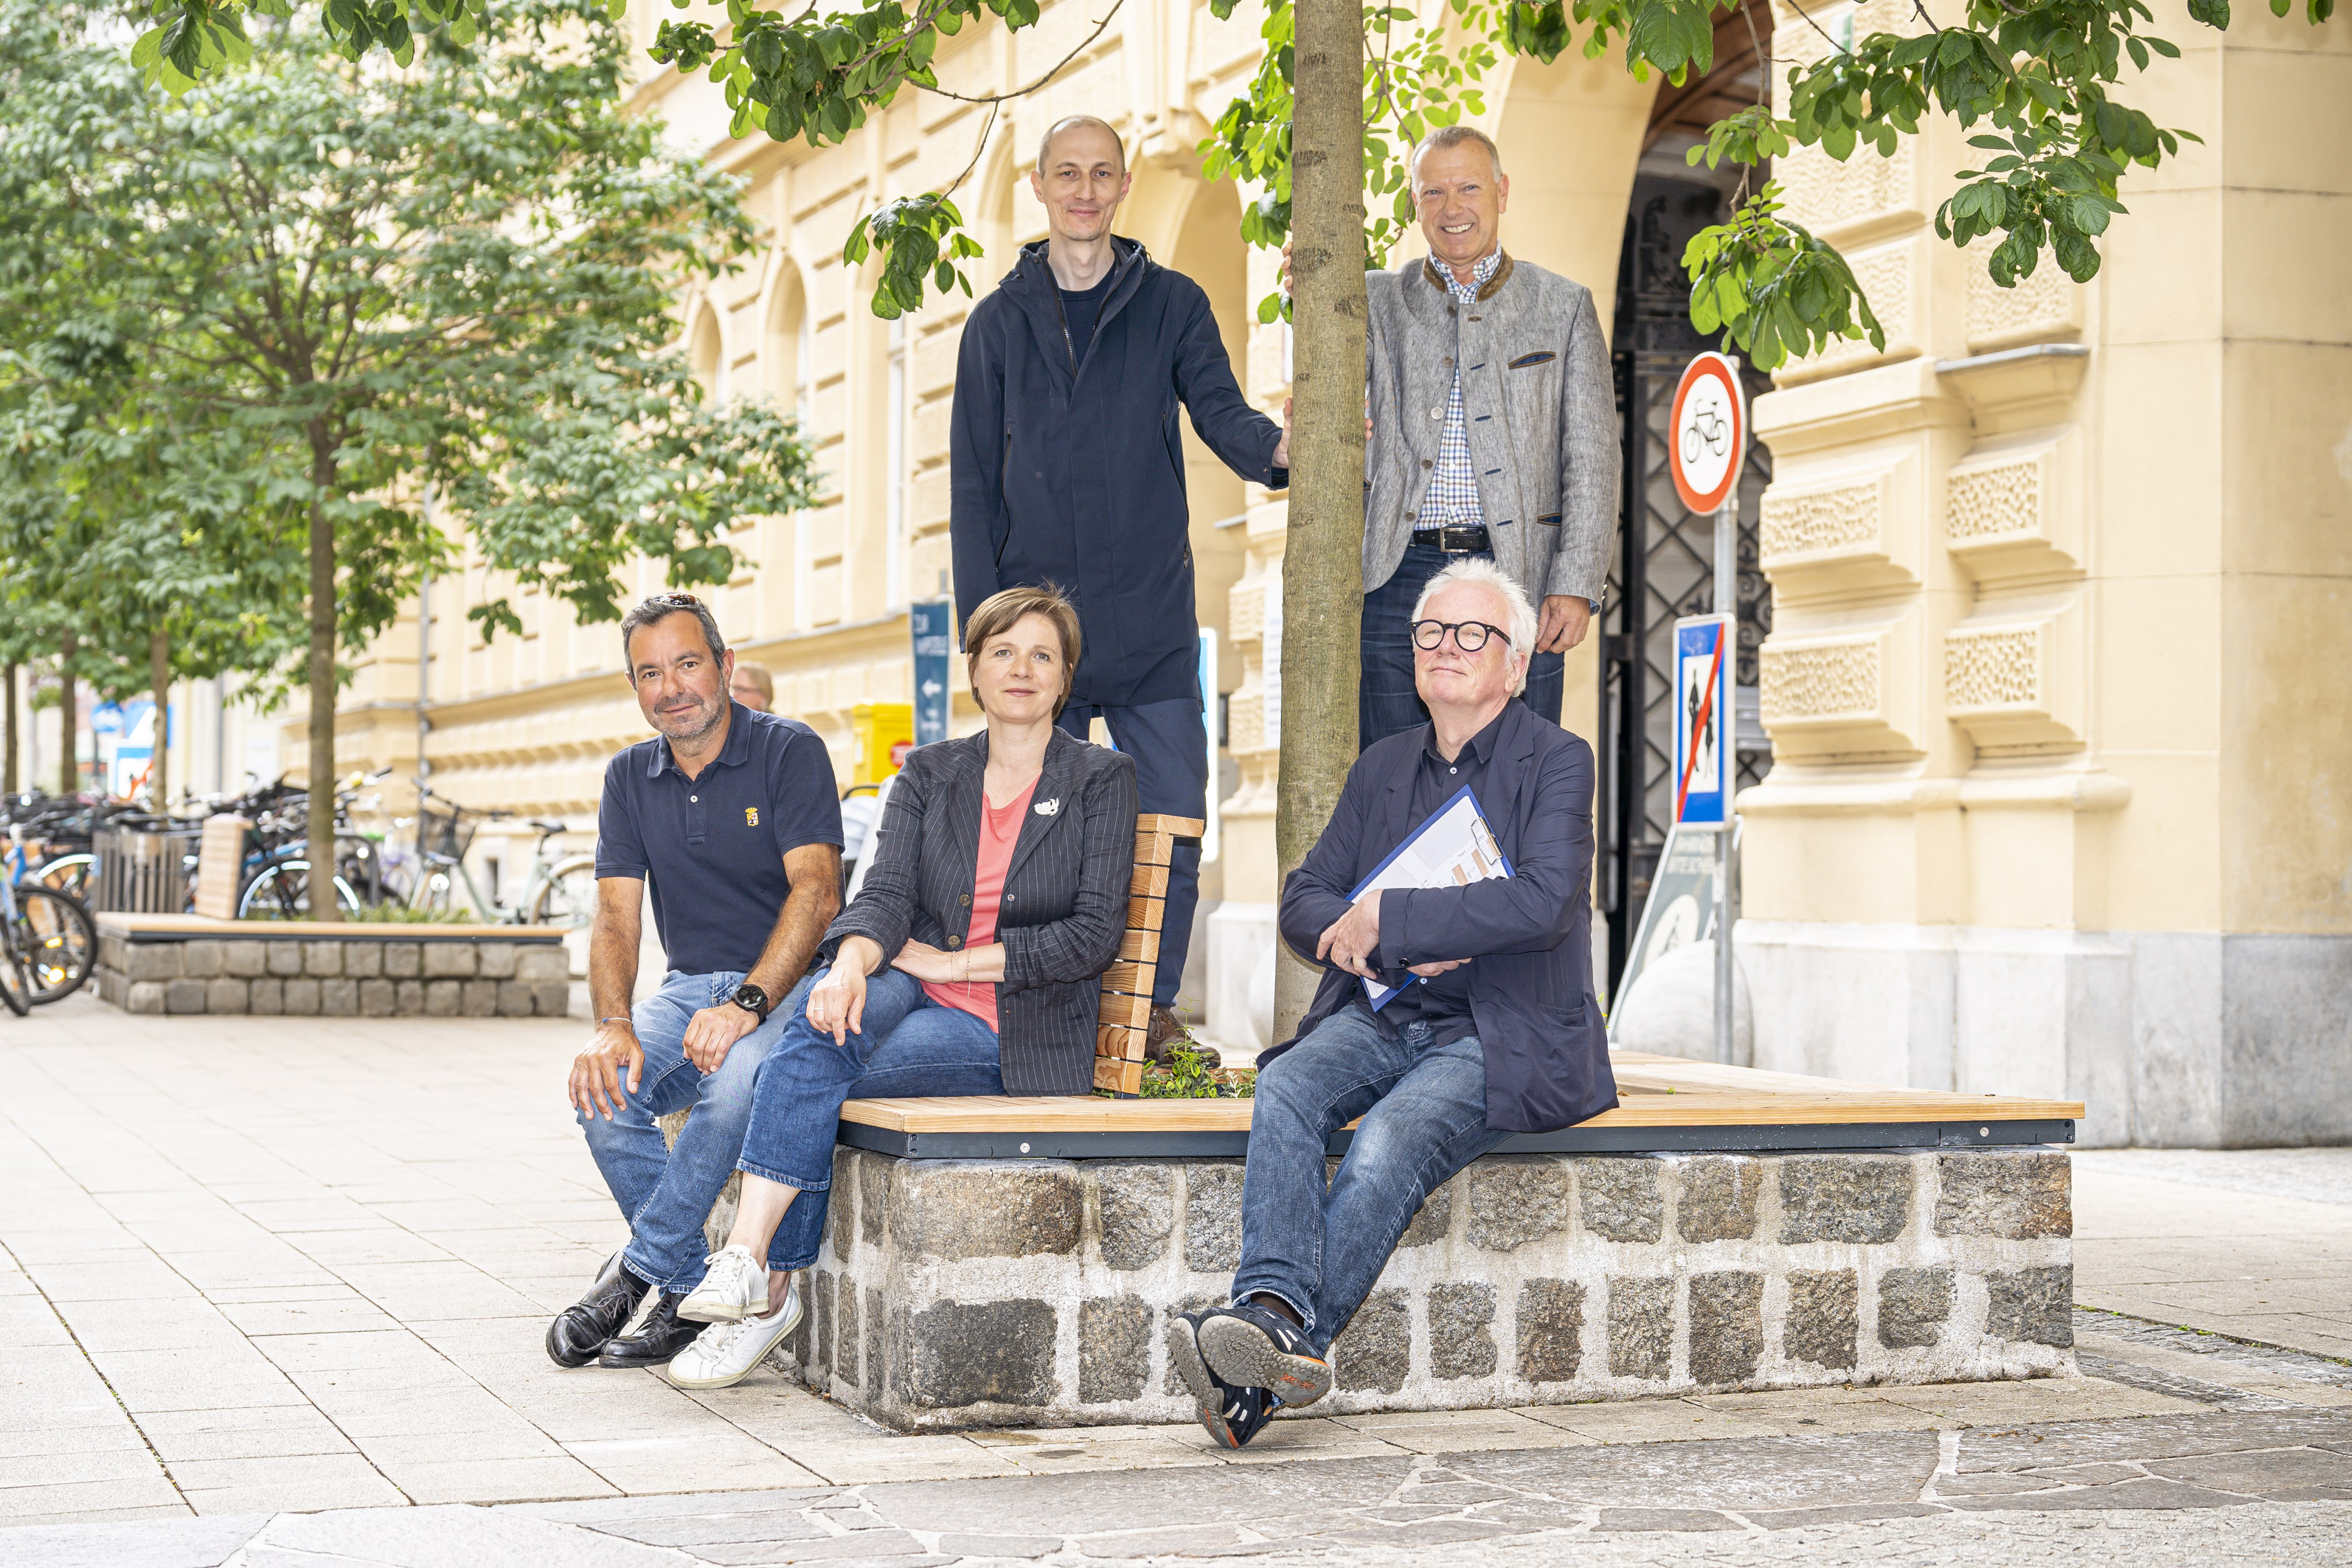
(1154, 848)
(1144, 913)
(220, 862)
(1133, 1012)
(1001, 1113)
(1160, 822)
(1132, 978)
(1148, 882)
(1117, 1040)
(1139, 947)
(1119, 1077)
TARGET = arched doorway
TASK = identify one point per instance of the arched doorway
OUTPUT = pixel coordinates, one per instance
(1665, 555)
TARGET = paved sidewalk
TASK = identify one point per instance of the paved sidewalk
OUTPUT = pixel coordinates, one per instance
(2256, 1243)
(268, 1267)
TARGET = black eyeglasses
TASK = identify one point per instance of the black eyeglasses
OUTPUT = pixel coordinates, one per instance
(1468, 636)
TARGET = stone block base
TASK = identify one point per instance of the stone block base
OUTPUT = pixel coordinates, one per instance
(337, 977)
(979, 1293)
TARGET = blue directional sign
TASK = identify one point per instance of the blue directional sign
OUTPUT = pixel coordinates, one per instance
(1705, 652)
(933, 621)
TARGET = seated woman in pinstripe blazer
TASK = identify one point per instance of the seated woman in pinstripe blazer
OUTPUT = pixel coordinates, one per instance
(969, 964)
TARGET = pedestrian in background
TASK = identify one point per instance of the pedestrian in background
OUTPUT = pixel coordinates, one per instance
(753, 687)
(1067, 468)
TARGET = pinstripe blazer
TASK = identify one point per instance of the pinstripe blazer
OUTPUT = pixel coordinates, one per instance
(1065, 902)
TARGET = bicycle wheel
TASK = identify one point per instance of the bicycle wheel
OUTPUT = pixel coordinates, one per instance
(280, 891)
(54, 939)
(568, 898)
(66, 873)
(15, 978)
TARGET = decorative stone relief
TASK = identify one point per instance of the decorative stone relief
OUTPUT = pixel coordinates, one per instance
(1824, 193)
(1247, 610)
(1996, 502)
(2046, 307)
(1825, 681)
(2013, 676)
(1811, 522)
(1245, 720)
(1884, 276)
(1992, 670)
(2013, 508)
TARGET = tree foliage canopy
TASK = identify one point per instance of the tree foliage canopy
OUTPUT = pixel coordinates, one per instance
(320, 283)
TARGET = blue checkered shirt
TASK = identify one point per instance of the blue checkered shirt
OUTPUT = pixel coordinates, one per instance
(1452, 500)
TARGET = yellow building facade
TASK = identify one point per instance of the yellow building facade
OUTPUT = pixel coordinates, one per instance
(2059, 796)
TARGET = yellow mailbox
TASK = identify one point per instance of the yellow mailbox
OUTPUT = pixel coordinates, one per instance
(883, 735)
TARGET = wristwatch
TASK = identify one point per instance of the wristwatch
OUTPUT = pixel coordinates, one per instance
(752, 1000)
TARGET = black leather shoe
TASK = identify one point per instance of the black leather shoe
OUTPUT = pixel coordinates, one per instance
(662, 1335)
(581, 1330)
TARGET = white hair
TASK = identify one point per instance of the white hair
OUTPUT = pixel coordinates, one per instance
(1519, 610)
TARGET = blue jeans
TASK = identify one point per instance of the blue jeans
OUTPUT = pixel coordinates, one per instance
(910, 1046)
(1424, 1118)
(1170, 744)
(1386, 702)
(667, 1192)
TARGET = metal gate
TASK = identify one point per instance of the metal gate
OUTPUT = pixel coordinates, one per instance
(1665, 562)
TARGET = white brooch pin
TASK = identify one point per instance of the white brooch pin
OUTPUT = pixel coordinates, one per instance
(1048, 808)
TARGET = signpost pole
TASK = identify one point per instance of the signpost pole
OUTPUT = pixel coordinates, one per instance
(1726, 603)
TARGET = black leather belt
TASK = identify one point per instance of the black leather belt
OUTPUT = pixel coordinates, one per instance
(1469, 541)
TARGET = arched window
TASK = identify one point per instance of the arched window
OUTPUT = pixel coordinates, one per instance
(704, 352)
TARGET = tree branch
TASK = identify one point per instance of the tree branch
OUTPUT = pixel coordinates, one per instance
(1083, 44)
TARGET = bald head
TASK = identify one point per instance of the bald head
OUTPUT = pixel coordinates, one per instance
(1084, 148)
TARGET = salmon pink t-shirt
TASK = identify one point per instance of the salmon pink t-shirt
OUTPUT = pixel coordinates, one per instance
(1000, 829)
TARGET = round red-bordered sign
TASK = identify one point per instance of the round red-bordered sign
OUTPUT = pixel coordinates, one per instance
(1710, 441)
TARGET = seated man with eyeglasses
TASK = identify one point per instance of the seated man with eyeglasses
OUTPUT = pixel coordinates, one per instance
(1500, 1035)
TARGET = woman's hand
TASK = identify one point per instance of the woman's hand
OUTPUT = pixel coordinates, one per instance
(836, 1004)
(924, 962)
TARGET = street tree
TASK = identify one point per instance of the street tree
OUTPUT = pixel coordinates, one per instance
(2040, 83)
(455, 269)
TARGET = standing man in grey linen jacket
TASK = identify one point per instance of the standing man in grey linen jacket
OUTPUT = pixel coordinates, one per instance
(1492, 432)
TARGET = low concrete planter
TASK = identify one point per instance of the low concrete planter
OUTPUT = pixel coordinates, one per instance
(185, 965)
(979, 1293)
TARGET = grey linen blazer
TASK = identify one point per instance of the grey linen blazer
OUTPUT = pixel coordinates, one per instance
(1064, 904)
(1540, 410)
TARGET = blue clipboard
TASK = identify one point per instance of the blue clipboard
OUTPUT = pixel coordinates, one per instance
(1457, 797)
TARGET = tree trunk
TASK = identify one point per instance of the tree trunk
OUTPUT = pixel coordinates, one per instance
(8, 765)
(69, 708)
(159, 674)
(1322, 571)
(321, 825)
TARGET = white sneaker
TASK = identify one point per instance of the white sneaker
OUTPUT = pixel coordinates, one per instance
(725, 1354)
(735, 1287)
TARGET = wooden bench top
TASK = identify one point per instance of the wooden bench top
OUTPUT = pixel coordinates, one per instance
(1667, 1104)
(204, 928)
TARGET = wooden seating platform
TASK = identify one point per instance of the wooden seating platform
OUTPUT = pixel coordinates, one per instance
(1669, 1105)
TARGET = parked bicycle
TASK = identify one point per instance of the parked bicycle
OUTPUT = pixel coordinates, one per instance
(560, 892)
(48, 943)
(275, 878)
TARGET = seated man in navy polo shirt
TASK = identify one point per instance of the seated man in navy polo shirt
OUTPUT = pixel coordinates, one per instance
(732, 816)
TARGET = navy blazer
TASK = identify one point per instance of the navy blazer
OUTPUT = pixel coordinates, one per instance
(1531, 992)
(1064, 905)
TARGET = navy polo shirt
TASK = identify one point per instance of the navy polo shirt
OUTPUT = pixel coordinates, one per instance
(713, 847)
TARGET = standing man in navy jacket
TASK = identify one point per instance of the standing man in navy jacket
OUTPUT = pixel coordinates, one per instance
(1068, 468)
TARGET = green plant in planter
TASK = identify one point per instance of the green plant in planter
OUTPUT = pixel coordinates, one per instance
(1189, 1075)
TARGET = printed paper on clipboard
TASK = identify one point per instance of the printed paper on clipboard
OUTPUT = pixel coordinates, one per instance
(1453, 849)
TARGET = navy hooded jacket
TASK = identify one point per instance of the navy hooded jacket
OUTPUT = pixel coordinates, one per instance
(1070, 469)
